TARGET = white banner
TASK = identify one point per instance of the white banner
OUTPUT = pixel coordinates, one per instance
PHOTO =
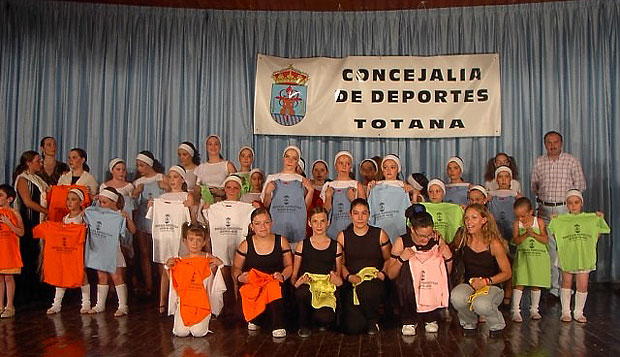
(370, 96)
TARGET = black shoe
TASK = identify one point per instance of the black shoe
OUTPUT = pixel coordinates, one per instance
(304, 332)
(469, 332)
(373, 329)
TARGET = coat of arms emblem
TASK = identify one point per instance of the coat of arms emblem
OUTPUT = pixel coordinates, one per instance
(288, 96)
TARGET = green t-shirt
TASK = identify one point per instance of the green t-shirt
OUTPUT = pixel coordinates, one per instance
(448, 217)
(246, 184)
(532, 264)
(576, 236)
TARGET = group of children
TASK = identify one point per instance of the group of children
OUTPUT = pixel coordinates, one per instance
(192, 219)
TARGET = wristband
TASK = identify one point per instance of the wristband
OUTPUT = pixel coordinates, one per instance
(490, 281)
(347, 278)
(401, 260)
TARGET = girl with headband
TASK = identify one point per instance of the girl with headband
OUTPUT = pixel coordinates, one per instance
(189, 159)
(288, 195)
(148, 185)
(501, 159)
(168, 212)
(319, 172)
(256, 178)
(211, 174)
(339, 193)
(388, 199)
(107, 226)
(576, 234)
(71, 229)
(447, 216)
(456, 189)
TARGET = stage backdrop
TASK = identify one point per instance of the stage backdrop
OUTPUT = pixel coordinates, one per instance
(389, 96)
(116, 80)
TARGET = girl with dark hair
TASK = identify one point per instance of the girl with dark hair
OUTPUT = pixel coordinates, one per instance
(189, 159)
(212, 173)
(366, 253)
(501, 159)
(263, 262)
(418, 265)
(31, 192)
(52, 169)
(316, 272)
(79, 173)
(148, 185)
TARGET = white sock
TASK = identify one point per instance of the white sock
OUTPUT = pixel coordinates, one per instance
(580, 302)
(565, 297)
(535, 297)
(102, 295)
(121, 293)
(85, 295)
(60, 293)
(516, 300)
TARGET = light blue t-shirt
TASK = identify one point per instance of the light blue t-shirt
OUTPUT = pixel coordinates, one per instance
(288, 210)
(105, 227)
(388, 204)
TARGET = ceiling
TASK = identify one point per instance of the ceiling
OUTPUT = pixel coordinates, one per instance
(313, 5)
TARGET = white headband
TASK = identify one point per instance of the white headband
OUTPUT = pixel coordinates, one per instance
(293, 147)
(437, 182)
(574, 192)
(109, 194)
(373, 162)
(255, 171)
(481, 189)
(187, 148)
(233, 178)
(145, 159)
(343, 153)
(113, 163)
(458, 161)
(78, 192)
(246, 147)
(415, 184)
(393, 158)
(178, 169)
(324, 163)
(503, 169)
(214, 136)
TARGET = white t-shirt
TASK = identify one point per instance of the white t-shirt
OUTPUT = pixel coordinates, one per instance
(212, 175)
(168, 218)
(228, 227)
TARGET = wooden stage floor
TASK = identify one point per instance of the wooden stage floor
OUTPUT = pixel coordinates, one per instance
(145, 333)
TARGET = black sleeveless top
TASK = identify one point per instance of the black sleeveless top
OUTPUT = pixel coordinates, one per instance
(318, 261)
(269, 263)
(362, 251)
(479, 265)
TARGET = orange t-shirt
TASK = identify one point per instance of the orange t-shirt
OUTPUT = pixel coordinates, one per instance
(57, 201)
(188, 275)
(10, 257)
(260, 290)
(63, 255)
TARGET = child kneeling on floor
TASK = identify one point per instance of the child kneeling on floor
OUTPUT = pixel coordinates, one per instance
(192, 301)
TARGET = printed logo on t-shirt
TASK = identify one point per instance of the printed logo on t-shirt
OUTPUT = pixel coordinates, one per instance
(577, 228)
(381, 207)
(531, 244)
(98, 226)
(167, 219)
(285, 200)
(439, 216)
(227, 222)
(340, 207)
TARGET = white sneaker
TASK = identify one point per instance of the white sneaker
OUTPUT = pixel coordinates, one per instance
(431, 327)
(516, 317)
(279, 333)
(53, 310)
(253, 327)
(408, 330)
(121, 311)
(535, 315)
